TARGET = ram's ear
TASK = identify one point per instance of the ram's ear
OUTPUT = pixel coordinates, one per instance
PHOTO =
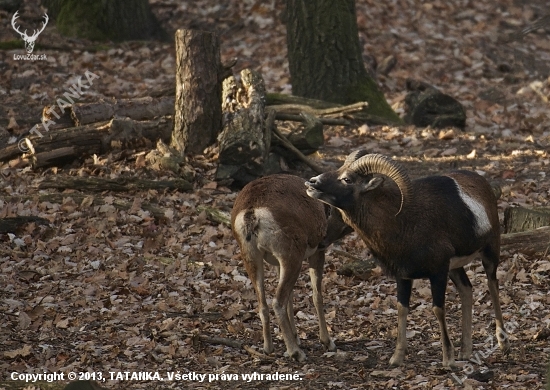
(372, 184)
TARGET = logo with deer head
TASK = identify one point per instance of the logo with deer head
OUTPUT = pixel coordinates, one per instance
(29, 40)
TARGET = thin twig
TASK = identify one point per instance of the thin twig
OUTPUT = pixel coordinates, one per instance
(255, 353)
(45, 295)
(234, 344)
(325, 121)
(297, 108)
(221, 341)
(8, 314)
(539, 92)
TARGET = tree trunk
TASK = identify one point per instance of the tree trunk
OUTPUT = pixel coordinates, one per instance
(105, 20)
(198, 108)
(324, 55)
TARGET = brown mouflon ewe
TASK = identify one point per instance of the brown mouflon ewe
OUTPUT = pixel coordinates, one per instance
(274, 220)
(425, 228)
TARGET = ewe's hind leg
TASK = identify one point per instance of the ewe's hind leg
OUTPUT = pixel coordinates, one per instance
(404, 287)
(439, 285)
(316, 263)
(490, 263)
(290, 311)
(287, 279)
(464, 287)
(290, 314)
(255, 270)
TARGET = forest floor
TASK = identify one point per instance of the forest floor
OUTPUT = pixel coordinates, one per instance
(106, 290)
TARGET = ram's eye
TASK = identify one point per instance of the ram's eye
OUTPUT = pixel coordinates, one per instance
(346, 180)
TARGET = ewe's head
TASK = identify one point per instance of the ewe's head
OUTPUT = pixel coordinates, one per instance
(359, 175)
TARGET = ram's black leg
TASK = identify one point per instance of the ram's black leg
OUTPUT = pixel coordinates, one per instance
(439, 285)
(404, 287)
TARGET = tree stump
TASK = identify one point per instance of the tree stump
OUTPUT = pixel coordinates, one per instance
(427, 106)
(198, 112)
(521, 219)
(245, 139)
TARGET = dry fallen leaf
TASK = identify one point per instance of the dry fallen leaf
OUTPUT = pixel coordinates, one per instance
(24, 320)
(21, 352)
(127, 301)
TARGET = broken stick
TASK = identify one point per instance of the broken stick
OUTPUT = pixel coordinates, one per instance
(298, 154)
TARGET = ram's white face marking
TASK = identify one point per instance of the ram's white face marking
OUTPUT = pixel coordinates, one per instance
(482, 224)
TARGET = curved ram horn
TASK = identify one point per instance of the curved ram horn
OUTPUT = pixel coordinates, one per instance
(354, 156)
(377, 163)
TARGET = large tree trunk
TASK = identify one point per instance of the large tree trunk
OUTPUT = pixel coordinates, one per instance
(105, 20)
(324, 55)
(198, 108)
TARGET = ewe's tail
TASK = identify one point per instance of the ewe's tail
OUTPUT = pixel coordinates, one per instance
(250, 224)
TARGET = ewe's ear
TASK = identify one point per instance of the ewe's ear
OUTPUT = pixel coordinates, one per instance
(372, 184)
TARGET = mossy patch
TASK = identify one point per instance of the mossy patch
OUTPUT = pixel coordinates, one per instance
(367, 91)
(79, 19)
(102, 20)
(12, 45)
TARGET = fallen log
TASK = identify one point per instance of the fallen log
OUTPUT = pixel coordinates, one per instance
(216, 215)
(97, 138)
(12, 224)
(530, 242)
(140, 109)
(121, 184)
(361, 269)
(55, 120)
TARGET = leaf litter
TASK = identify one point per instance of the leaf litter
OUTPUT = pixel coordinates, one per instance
(107, 289)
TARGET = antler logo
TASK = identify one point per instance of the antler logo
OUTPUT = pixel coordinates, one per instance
(29, 40)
